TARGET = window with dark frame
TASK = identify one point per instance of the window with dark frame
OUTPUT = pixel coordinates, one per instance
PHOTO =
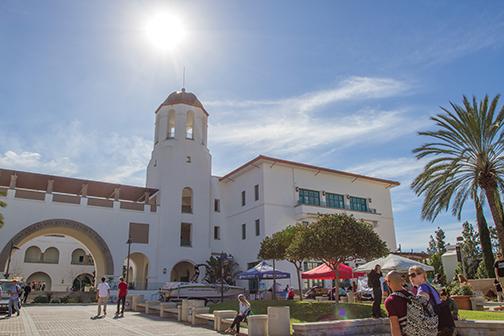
(256, 192)
(243, 198)
(185, 234)
(216, 233)
(217, 205)
(244, 231)
(309, 197)
(257, 227)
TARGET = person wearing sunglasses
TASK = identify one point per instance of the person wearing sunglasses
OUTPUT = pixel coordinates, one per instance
(418, 278)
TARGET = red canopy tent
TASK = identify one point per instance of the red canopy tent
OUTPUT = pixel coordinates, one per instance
(324, 272)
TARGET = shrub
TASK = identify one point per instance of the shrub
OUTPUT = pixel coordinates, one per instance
(64, 299)
(56, 300)
(41, 299)
(456, 289)
(74, 299)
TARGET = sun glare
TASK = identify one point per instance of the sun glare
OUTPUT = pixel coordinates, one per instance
(165, 31)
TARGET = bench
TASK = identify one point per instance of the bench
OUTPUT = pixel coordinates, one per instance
(220, 315)
(166, 309)
(201, 316)
(152, 306)
(140, 307)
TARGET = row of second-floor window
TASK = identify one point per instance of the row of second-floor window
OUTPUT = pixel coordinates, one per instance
(257, 227)
(312, 197)
(244, 195)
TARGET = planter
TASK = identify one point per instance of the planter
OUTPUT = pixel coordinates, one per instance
(463, 301)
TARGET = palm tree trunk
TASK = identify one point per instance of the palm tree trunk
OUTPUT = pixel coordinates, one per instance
(484, 235)
(496, 208)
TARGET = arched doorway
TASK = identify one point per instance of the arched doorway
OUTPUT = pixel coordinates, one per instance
(98, 248)
(139, 270)
(41, 280)
(183, 271)
(81, 281)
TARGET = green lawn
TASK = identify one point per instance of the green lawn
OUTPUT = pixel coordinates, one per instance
(481, 315)
(306, 311)
(310, 311)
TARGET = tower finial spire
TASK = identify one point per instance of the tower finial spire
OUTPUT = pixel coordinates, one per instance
(183, 80)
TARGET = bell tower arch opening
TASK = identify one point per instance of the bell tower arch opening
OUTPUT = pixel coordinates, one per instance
(88, 237)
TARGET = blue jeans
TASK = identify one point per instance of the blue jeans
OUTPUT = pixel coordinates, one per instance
(13, 302)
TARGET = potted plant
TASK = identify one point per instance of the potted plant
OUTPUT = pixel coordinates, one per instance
(462, 294)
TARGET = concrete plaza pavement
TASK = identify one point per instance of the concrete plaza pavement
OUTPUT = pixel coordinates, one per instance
(76, 320)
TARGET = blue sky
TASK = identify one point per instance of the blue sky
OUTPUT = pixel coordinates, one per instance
(340, 84)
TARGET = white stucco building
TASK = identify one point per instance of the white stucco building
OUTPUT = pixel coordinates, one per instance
(60, 262)
(184, 214)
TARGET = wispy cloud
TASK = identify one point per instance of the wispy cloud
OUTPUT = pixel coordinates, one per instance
(71, 151)
(33, 161)
(293, 124)
(417, 238)
(403, 169)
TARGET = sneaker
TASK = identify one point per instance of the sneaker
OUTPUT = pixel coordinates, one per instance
(17, 314)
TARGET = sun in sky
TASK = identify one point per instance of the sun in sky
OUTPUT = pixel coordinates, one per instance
(165, 30)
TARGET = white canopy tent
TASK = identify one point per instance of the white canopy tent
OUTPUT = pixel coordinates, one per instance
(393, 262)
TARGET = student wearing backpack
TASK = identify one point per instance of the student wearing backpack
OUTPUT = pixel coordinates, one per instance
(396, 305)
(418, 278)
(408, 314)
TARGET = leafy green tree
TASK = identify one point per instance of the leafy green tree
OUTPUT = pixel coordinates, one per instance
(2, 205)
(295, 252)
(437, 247)
(272, 248)
(336, 238)
(470, 250)
(467, 150)
(284, 249)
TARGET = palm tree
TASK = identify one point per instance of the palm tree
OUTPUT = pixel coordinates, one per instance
(468, 151)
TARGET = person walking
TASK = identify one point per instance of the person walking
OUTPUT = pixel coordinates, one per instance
(121, 296)
(13, 292)
(418, 278)
(499, 268)
(26, 291)
(396, 304)
(103, 294)
(374, 282)
(244, 311)
(498, 289)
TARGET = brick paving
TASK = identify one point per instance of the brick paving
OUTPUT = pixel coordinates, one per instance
(76, 320)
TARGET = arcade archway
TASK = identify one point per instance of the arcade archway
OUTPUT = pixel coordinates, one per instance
(183, 271)
(98, 248)
(139, 270)
(41, 281)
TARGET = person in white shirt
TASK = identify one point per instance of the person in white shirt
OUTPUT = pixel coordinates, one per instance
(244, 311)
(103, 294)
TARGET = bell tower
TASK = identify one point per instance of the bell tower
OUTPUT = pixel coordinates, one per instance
(180, 167)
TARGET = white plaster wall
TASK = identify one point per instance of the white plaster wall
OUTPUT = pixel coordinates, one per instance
(62, 274)
(112, 224)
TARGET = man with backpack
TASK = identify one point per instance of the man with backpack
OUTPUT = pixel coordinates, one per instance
(408, 314)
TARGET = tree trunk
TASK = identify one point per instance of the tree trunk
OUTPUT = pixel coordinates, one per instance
(336, 281)
(298, 271)
(273, 292)
(496, 209)
(484, 235)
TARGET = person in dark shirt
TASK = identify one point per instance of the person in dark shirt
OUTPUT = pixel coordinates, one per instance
(395, 304)
(121, 296)
(499, 268)
(375, 283)
(498, 289)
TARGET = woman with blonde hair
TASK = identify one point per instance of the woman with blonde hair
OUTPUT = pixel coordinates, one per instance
(418, 278)
(243, 312)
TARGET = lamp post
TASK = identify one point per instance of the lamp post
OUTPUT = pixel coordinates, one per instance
(222, 258)
(129, 241)
(12, 248)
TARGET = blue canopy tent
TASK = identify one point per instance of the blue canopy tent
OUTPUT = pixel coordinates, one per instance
(263, 271)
